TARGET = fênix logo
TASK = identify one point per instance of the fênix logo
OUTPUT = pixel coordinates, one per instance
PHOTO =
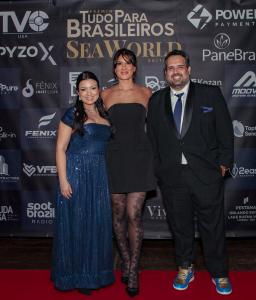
(199, 17)
(222, 41)
(46, 120)
(32, 170)
(42, 134)
(30, 22)
(154, 83)
(3, 166)
(245, 86)
(39, 88)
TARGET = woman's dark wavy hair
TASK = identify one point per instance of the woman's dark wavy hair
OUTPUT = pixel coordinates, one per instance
(128, 56)
(80, 114)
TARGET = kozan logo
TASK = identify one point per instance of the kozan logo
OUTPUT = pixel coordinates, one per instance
(35, 20)
(238, 128)
(221, 41)
(28, 90)
(199, 16)
(245, 86)
(3, 166)
(154, 83)
(46, 120)
(72, 82)
(31, 170)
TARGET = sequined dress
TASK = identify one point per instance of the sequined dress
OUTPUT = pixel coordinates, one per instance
(82, 251)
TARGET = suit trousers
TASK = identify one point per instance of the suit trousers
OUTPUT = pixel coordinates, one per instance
(183, 202)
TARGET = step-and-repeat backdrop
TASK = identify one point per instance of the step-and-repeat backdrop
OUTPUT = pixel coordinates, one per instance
(45, 44)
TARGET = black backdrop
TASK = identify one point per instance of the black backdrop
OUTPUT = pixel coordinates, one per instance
(45, 44)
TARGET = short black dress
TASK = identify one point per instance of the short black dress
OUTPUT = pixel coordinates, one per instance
(129, 152)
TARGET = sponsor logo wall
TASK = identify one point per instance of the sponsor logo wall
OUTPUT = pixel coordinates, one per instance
(43, 49)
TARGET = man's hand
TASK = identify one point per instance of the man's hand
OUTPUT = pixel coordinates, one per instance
(223, 170)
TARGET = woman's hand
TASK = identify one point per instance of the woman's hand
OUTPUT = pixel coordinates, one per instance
(65, 189)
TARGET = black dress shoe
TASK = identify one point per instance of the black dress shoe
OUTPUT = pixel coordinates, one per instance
(132, 292)
(85, 291)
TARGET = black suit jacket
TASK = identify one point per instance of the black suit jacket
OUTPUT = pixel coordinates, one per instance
(206, 138)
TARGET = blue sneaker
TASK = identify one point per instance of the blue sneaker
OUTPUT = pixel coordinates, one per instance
(223, 285)
(183, 278)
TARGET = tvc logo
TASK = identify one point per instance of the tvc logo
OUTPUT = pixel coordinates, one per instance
(35, 20)
(199, 17)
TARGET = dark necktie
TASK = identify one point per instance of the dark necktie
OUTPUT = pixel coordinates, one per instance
(177, 111)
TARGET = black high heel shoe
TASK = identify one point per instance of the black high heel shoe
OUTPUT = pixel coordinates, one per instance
(125, 273)
(133, 284)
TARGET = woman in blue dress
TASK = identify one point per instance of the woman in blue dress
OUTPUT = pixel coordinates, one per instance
(82, 252)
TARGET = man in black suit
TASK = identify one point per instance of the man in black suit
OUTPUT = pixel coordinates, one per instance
(192, 137)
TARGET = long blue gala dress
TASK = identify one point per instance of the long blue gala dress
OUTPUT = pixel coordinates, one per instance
(82, 251)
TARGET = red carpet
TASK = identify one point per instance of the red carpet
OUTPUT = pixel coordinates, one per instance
(36, 285)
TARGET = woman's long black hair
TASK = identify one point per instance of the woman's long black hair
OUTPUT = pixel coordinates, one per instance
(80, 113)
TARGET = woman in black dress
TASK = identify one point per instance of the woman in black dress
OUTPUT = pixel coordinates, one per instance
(129, 162)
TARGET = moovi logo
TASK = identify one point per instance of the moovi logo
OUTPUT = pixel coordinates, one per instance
(199, 17)
(28, 90)
(247, 80)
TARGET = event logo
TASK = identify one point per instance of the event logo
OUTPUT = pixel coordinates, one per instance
(209, 82)
(242, 171)
(154, 83)
(28, 90)
(241, 130)
(222, 41)
(199, 17)
(39, 87)
(40, 213)
(3, 166)
(106, 31)
(4, 134)
(34, 21)
(28, 52)
(156, 212)
(72, 81)
(8, 89)
(245, 86)
(31, 170)
(43, 121)
(6, 213)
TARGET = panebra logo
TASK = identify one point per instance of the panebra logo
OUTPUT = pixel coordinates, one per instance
(199, 17)
(221, 41)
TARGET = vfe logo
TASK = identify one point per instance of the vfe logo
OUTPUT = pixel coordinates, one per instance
(36, 21)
